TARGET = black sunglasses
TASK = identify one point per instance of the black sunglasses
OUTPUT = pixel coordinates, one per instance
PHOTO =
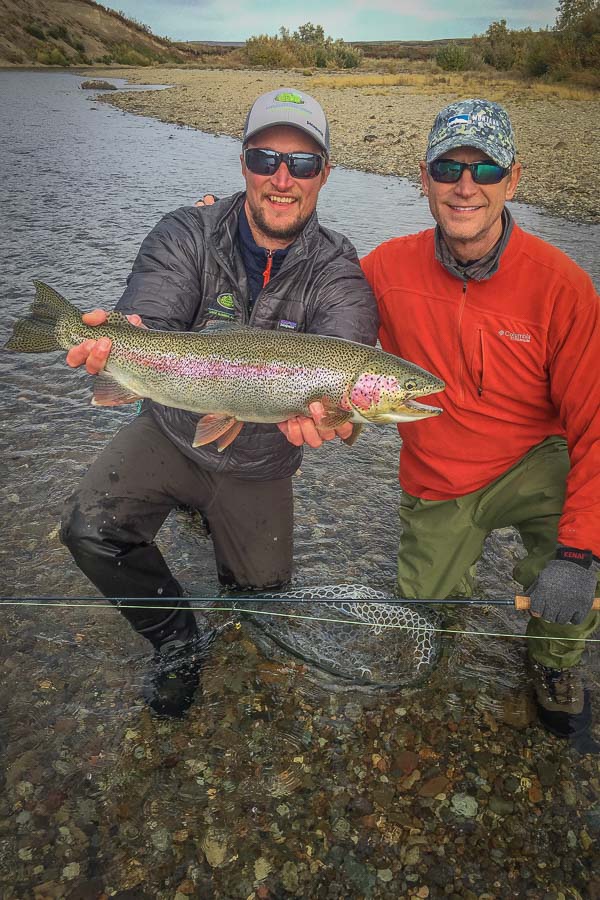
(300, 165)
(449, 171)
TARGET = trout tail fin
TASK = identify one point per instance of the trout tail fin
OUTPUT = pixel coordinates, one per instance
(37, 332)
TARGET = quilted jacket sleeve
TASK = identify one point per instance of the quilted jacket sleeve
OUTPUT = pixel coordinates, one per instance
(164, 286)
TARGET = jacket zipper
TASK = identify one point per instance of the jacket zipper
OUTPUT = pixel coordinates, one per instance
(482, 371)
(461, 365)
(267, 272)
(266, 279)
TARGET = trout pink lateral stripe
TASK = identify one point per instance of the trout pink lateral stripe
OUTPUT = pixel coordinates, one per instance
(194, 367)
(234, 374)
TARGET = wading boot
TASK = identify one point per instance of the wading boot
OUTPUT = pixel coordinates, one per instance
(563, 704)
(180, 652)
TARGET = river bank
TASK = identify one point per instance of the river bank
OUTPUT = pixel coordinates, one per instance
(383, 128)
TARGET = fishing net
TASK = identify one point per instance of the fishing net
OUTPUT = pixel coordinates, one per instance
(354, 634)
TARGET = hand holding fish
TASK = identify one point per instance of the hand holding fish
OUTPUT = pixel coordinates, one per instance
(233, 374)
(95, 353)
(301, 430)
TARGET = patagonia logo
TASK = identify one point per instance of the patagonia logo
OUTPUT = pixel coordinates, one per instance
(289, 97)
(515, 336)
(286, 323)
(226, 301)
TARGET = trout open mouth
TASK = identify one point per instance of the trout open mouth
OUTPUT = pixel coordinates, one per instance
(409, 412)
(417, 410)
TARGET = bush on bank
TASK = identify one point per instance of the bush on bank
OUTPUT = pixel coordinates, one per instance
(307, 47)
(568, 52)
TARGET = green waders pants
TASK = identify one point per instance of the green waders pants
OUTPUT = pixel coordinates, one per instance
(443, 539)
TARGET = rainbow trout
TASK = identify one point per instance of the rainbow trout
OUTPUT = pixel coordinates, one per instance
(235, 374)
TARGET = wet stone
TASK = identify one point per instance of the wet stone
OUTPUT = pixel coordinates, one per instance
(500, 806)
(465, 805)
(161, 839)
(547, 773)
(289, 876)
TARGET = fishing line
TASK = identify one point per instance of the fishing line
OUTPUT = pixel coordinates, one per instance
(234, 608)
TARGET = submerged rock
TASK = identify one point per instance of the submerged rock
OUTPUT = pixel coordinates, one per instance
(98, 85)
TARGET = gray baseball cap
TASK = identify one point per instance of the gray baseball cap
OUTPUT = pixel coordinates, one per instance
(473, 123)
(288, 106)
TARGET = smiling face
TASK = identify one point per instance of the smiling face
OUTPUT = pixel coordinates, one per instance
(469, 214)
(279, 206)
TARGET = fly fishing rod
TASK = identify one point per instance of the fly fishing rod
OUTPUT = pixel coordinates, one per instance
(398, 644)
(520, 602)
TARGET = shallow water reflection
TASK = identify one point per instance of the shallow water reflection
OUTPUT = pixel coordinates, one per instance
(276, 784)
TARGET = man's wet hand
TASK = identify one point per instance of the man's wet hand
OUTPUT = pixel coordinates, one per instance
(207, 200)
(93, 354)
(301, 430)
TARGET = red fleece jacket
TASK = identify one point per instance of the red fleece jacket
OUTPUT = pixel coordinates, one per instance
(520, 355)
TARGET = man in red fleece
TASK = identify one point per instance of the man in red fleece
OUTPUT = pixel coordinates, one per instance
(512, 326)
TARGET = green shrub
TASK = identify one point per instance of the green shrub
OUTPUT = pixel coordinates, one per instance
(306, 48)
(35, 31)
(558, 54)
(541, 54)
(135, 55)
(345, 56)
(498, 46)
(52, 57)
(59, 33)
(454, 58)
(270, 52)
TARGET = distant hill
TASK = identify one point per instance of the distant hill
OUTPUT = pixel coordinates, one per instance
(79, 32)
(416, 50)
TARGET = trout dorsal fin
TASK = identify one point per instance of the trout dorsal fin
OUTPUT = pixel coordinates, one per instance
(118, 318)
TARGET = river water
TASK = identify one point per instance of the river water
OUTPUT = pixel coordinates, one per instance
(277, 784)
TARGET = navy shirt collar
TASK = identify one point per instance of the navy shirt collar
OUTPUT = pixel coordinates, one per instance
(255, 257)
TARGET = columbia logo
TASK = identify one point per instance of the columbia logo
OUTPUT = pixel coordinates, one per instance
(515, 336)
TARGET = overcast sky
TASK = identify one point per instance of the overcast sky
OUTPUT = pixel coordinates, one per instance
(352, 20)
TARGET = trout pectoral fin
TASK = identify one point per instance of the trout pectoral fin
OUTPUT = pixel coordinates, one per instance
(221, 428)
(229, 437)
(356, 430)
(108, 392)
(334, 415)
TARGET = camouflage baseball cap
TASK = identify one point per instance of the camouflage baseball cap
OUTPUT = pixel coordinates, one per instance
(473, 123)
(287, 106)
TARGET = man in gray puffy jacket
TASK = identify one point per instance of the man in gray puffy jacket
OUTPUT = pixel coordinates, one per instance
(259, 258)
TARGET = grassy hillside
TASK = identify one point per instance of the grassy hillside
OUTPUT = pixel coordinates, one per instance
(78, 32)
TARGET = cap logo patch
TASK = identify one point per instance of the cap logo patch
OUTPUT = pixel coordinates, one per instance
(461, 119)
(289, 98)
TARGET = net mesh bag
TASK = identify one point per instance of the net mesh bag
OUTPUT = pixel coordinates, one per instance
(354, 634)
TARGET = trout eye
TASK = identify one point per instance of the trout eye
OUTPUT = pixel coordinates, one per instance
(410, 385)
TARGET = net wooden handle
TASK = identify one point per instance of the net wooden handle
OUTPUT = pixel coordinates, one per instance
(522, 602)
